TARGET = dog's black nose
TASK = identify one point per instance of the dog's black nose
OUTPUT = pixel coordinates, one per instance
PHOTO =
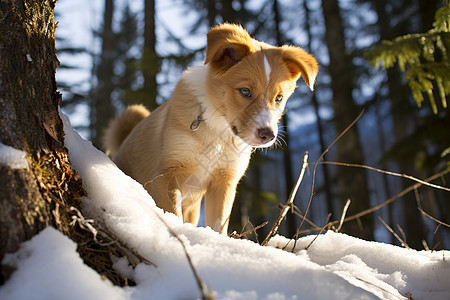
(266, 134)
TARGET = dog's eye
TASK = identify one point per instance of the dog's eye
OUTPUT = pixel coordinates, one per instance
(278, 98)
(245, 92)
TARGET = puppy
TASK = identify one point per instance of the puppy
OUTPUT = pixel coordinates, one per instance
(198, 143)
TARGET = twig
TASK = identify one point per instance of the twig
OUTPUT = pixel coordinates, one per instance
(388, 201)
(385, 172)
(401, 232)
(436, 230)
(327, 224)
(425, 245)
(432, 218)
(298, 212)
(253, 230)
(383, 289)
(321, 158)
(344, 212)
(404, 244)
(288, 204)
(206, 294)
(88, 225)
(129, 252)
(323, 228)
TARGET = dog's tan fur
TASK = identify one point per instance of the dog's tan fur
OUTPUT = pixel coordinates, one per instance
(198, 143)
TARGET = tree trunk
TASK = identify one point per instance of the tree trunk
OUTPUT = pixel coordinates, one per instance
(352, 182)
(150, 64)
(402, 123)
(103, 110)
(212, 13)
(327, 186)
(31, 198)
(289, 180)
(228, 13)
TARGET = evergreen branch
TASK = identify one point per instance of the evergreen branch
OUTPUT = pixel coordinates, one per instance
(423, 57)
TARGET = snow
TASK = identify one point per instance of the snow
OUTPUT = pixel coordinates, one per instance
(48, 267)
(335, 266)
(13, 158)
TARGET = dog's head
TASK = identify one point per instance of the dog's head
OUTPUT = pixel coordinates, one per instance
(250, 81)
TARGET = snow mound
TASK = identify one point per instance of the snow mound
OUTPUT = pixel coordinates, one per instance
(13, 158)
(335, 266)
(48, 267)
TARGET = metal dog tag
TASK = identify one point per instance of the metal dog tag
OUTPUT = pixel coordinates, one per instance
(195, 124)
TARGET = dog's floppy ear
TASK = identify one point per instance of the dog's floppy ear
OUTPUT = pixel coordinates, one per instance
(227, 44)
(299, 62)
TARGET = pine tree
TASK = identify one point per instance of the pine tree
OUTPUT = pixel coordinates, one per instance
(423, 58)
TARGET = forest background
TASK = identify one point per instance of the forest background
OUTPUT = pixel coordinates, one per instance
(115, 53)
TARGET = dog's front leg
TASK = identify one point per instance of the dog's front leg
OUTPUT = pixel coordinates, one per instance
(166, 188)
(165, 191)
(219, 200)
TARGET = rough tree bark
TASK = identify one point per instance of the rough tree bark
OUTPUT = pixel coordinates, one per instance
(33, 198)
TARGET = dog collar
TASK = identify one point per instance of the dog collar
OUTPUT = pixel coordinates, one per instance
(194, 125)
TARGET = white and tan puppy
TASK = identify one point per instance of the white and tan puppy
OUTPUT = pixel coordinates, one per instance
(198, 143)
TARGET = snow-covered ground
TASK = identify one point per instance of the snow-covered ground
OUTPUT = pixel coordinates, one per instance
(335, 266)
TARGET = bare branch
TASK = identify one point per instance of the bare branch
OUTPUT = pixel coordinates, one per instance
(390, 200)
(401, 232)
(321, 158)
(206, 294)
(316, 228)
(383, 289)
(432, 218)
(252, 230)
(113, 241)
(404, 244)
(323, 228)
(288, 204)
(344, 212)
(298, 212)
(386, 172)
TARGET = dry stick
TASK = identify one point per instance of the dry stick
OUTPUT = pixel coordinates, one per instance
(206, 295)
(386, 172)
(381, 288)
(344, 212)
(129, 252)
(401, 232)
(317, 161)
(432, 218)
(323, 228)
(88, 225)
(425, 245)
(393, 232)
(253, 230)
(327, 224)
(388, 201)
(298, 212)
(288, 204)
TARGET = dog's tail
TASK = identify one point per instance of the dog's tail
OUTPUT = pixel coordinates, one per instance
(120, 127)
